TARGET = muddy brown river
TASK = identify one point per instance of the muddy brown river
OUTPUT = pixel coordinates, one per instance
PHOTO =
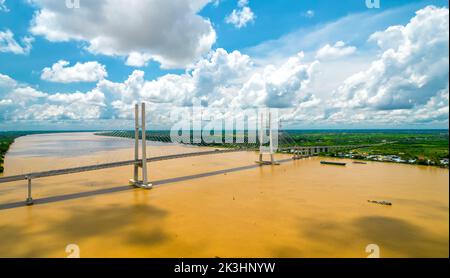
(220, 205)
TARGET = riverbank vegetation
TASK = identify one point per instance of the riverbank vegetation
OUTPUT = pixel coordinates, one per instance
(425, 147)
(6, 139)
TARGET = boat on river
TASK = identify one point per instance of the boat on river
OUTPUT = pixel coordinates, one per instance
(333, 163)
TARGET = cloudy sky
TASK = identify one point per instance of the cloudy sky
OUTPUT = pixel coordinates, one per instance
(323, 63)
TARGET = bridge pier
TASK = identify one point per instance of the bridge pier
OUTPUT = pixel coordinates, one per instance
(29, 201)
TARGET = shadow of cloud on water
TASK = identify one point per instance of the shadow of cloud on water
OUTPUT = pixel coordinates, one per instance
(149, 237)
(286, 252)
(140, 225)
(15, 242)
(319, 229)
(324, 237)
(82, 223)
(401, 237)
(395, 237)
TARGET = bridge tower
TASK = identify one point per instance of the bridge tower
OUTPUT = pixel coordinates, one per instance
(140, 163)
(266, 150)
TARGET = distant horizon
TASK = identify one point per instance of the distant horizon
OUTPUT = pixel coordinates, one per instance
(285, 129)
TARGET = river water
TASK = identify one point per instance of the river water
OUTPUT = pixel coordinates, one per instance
(219, 205)
(45, 152)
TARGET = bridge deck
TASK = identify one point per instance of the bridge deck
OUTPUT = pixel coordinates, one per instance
(108, 165)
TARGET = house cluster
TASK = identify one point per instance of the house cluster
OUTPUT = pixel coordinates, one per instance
(392, 158)
(444, 162)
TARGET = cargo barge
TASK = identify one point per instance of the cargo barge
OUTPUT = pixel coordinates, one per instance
(333, 163)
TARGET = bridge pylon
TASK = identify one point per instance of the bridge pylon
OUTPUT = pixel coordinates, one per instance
(266, 150)
(140, 163)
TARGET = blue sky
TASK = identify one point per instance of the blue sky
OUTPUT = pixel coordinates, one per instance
(249, 59)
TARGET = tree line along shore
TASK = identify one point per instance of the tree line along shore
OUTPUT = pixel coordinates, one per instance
(420, 147)
(6, 139)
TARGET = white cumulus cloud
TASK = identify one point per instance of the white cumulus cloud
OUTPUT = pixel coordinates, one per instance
(221, 80)
(170, 32)
(3, 7)
(241, 16)
(210, 81)
(20, 102)
(9, 44)
(338, 50)
(412, 68)
(279, 87)
(80, 72)
(6, 81)
(406, 84)
(136, 59)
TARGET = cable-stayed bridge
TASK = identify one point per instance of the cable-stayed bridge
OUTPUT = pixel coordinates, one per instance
(240, 141)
